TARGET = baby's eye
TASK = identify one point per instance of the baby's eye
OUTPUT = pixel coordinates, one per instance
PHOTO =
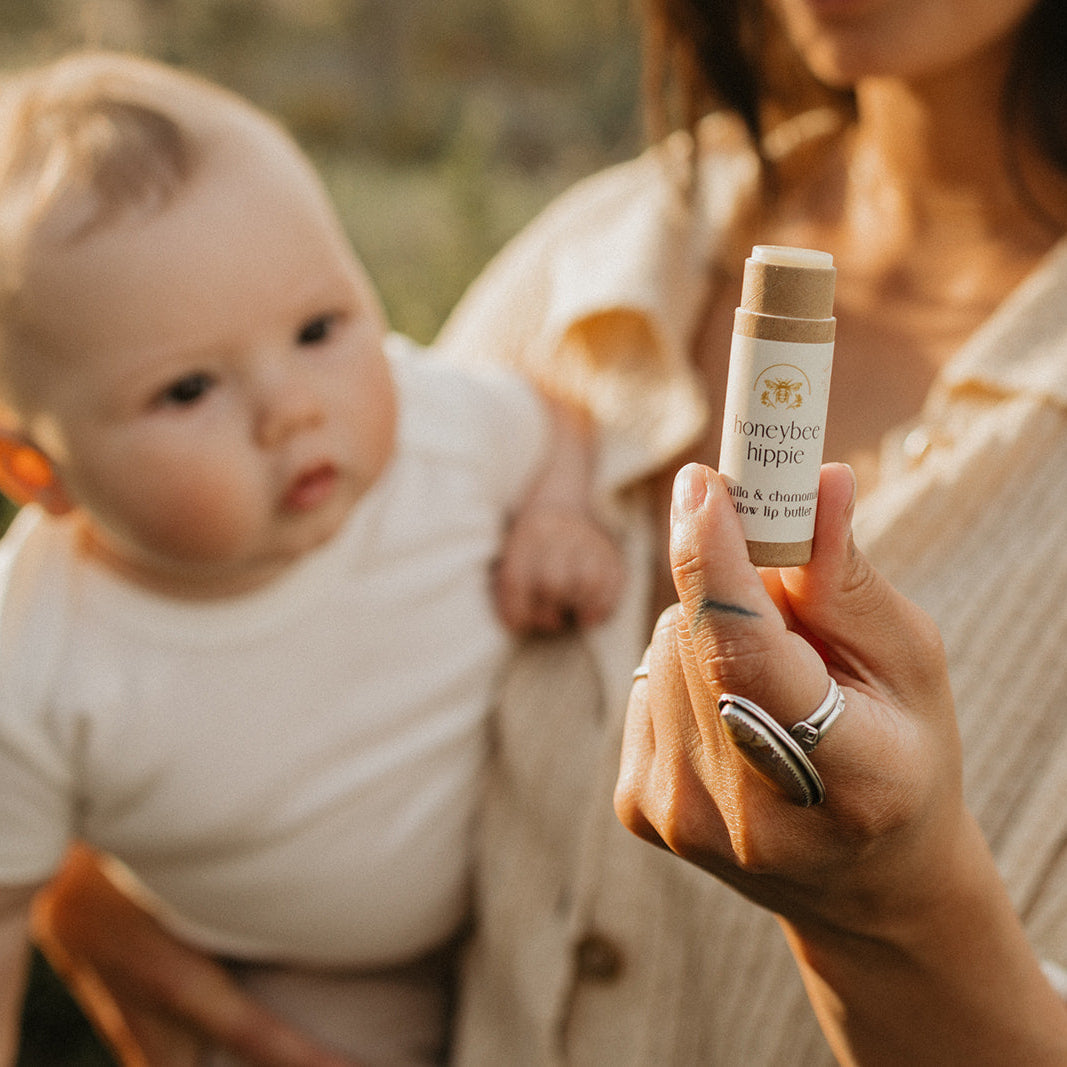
(186, 391)
(316, 330)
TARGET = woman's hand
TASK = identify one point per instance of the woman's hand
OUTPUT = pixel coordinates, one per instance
(890, 761)
(890, 900)
(155, 1001)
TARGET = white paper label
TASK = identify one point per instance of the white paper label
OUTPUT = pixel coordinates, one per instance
(772, 434)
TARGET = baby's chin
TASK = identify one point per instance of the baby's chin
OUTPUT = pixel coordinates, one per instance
(180, 578)
(233, 562)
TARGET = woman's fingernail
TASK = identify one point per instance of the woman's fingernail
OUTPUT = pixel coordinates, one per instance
(690, 489)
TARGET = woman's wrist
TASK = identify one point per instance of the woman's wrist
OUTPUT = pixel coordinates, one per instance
(947, 951)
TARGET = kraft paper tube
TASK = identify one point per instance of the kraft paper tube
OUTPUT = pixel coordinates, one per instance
(776, 400)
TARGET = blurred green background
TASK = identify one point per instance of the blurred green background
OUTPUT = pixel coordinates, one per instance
(440, 127)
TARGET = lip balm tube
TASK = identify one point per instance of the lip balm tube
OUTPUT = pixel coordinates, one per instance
(776, 398)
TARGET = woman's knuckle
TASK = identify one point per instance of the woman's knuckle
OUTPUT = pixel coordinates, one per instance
(738, 660)
(688, 573)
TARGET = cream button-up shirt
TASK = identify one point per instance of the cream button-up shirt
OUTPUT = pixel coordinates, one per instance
(598, 296)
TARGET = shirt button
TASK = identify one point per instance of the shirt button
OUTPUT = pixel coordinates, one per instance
(598, 960)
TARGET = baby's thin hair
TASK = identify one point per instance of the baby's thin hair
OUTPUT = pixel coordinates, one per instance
(81, 146)
(73, 132)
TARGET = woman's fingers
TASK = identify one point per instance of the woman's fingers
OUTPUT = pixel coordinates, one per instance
(838, 608)
(733, 635)
(872, 633)
(661, 794)
(889, 764)
(730, 636)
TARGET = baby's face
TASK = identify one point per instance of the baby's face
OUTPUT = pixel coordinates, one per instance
(217, 395)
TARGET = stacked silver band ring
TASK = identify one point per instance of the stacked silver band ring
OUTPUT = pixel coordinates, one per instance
(778, 754)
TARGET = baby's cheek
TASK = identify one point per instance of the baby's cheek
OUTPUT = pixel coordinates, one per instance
(207, 518)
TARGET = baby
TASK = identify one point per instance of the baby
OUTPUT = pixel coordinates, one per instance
(247, 639)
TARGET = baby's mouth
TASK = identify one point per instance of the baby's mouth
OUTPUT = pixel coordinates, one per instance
(311, 488)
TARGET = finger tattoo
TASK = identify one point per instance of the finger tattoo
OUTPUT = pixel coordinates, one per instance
(720, 607)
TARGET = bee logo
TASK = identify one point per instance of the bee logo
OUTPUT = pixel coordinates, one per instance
(783, 387)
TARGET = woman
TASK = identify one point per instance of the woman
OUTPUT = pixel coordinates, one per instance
(922, 142)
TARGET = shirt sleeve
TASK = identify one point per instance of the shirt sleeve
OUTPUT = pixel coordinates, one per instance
(597, 298)
(485, 418)
(36, 764)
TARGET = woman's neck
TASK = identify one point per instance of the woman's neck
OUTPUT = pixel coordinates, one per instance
(930, 167)
(929, 231)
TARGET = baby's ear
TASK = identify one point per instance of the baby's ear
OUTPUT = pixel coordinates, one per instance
(27, 475)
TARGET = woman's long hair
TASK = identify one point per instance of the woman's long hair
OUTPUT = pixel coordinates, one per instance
(703, 54)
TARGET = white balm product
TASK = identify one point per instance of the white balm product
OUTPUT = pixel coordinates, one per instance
(776, 399)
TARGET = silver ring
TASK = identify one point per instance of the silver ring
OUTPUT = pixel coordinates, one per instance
(780, 755)
(810, 731)
(641, 671)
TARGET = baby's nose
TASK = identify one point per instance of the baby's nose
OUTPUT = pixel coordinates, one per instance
(288, 406)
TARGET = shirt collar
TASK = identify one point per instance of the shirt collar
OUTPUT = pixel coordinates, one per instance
(1022, 347)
